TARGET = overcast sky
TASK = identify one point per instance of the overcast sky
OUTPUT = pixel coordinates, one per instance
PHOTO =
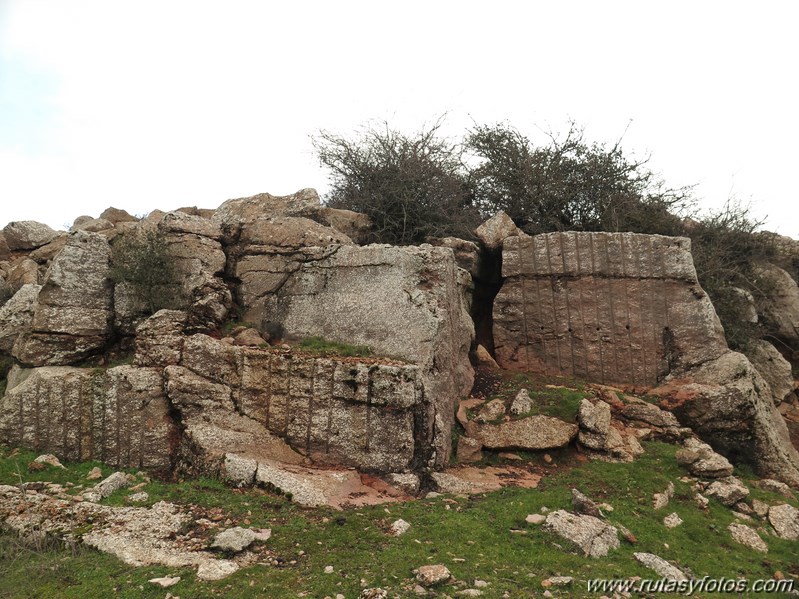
(162, 104)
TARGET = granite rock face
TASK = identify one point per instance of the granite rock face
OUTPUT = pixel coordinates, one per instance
(729, 405)
(73, 314)
(403, 302)
(27, 235)
(119, 416)
(610, 307)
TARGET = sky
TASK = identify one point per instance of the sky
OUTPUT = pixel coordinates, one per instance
(169, 103)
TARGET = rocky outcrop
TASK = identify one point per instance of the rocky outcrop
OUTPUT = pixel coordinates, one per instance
(627, 308)
(340, 411)
(609, 307)
(16, 316)
(774, 369)
(781, 312)
(401, 302)
(531, 433)
(118, 416)
(74, 309)
(27, 235)
(728, 404)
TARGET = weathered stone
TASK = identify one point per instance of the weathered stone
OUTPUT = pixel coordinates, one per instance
(594, 418)
(594, 537)
(236, 213)
(746, 535)
(117, 215)
(661, 500)
(469, 450)
(216, 569)
(727, 403)
(521, 404)
(407, 481)
(159, 339)
(650, 415)
(781, 313)
(118, 416)
(50, 460)
(16, 316)
(5, 252)
(702, 460)
(182, 223)
(399, 527)
(585, 505)
(108, 486)
(775, 486)
(249, 337)
(484, 358)
(24, 271)
(467, 253)
(165, 581)
(139, 497)
(610, 307)
(496, 229)
(27, 235)
(532, 432)
(493, 410)
(354, 225)
(234, 539)
(535, 519)
(432, 575)
(673, 520)
(785, 520)
(728, 491)
(45, 254)
(73, 313)
(402, 302)
(660, 566)
(774, 369)
(94, 225)
(760, 508)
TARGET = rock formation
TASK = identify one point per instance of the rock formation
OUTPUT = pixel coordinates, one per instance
(200, 393)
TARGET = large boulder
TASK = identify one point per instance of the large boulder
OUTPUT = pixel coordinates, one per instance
(591, 535)
(24, 271)
(16, 316)
(781, 312)
(728, 404)
(27, 235)
(234, 214)
(610, 307)
(774, 369)
(364, 414)
(74, 310)
(530, 433)
(403, 302)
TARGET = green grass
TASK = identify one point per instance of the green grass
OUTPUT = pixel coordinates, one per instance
(322, 347)
(471, 536)
(560, 400)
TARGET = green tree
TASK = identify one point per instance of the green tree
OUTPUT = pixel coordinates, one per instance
(569, 184)
(143, 261)
(411, 186)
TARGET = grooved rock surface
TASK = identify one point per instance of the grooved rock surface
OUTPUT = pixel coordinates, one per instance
(335, 410)
(609, 307)
(403, 302)
(74, 308)
(118, 416)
